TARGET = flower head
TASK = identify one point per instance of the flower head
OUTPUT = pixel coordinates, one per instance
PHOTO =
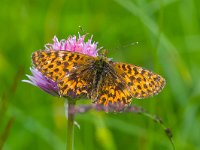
(72, 43)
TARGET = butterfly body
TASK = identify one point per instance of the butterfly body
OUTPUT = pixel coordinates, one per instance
(97, 78)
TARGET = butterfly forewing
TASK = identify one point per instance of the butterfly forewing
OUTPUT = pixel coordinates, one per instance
(142, 83)
(69, 69)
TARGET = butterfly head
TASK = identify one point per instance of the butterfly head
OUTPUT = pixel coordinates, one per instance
(103, 54)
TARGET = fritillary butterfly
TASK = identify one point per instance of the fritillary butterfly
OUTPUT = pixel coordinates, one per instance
(97, 78)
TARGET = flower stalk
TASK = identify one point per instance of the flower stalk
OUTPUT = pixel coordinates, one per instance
(70, 124)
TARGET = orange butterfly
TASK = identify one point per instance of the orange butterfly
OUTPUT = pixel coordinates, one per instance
(97, 78)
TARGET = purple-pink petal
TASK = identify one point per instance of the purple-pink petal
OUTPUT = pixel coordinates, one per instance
(42, 82)
(74, 44)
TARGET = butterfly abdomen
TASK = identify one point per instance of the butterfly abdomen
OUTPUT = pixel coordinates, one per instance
(98, 68)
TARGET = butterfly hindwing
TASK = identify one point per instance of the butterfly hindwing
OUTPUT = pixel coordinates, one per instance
(142, 83)
(111, 91)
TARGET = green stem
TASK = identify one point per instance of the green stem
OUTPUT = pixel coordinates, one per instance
(158, 120)
(70, 125)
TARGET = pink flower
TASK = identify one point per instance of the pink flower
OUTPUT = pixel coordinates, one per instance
(74, 44)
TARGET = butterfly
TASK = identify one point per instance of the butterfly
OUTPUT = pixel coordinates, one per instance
(99, 78)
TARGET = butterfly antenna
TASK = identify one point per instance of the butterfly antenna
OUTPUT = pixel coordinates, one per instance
(82, 31)
(130, 44)
(126, 45)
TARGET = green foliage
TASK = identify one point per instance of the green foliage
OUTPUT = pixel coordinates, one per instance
(168, 34)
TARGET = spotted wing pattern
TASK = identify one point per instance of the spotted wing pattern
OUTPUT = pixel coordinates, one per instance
(141, 83)
(111, 91)
(78, 83)
(70, 70)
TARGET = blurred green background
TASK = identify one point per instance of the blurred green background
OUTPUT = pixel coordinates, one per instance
(168, 32)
